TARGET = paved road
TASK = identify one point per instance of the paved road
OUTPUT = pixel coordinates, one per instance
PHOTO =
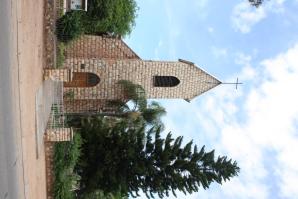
(10, 154)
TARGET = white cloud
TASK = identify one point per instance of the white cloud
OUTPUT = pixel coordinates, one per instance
(174, 29)
(245, 16)
(269, 115)
(201, 4)
(200, 7)
(242, 59)
(245, 124)
(157, 49)
(219, 52)
(210, 29)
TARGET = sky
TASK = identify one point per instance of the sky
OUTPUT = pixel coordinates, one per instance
(257, 124)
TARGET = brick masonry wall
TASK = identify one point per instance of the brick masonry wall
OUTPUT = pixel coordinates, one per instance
(91, 46)
(58, 135)
(49, 150)
(193, 81)
(58, 74)
(87, 105)
(112, 60)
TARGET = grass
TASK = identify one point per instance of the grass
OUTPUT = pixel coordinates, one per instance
(60, 54)
(66, 158)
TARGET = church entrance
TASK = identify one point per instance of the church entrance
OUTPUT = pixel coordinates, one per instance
(81, 79)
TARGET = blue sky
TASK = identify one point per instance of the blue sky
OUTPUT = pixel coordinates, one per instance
(255, 125)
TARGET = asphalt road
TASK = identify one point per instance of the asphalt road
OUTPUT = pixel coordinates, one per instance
(10, 153)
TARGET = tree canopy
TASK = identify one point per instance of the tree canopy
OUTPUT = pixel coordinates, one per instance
(127, 160)
(256, 3)
(111, 16)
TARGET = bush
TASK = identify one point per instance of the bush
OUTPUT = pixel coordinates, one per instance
(101, 195)
(110, 16)
(60, 54)
(113, 17)
(69, 26)
(66, 158)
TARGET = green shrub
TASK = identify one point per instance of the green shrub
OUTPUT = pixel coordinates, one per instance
(115, 17)
(60, 54)
(110, 16)
(65, 160)
(99, 194)
(69, 26)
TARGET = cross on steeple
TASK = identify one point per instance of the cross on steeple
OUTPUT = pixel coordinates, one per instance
(234, 83)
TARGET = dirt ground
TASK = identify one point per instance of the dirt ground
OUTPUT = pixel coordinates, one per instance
(28, 18)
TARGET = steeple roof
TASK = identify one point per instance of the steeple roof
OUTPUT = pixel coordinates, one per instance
(204, 81)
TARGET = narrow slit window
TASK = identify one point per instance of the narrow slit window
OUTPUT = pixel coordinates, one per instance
(165, 81)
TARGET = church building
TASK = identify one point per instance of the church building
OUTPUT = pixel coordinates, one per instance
(94, 65)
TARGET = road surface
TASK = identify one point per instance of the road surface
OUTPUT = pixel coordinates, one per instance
(11, 170)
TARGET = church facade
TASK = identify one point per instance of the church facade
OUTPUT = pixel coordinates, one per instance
(94, 65)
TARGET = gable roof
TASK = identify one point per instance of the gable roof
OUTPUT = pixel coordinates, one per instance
(203, 80)
(93, 46)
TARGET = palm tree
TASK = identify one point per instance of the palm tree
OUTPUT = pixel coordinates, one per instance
(134, 108)
(137, 109)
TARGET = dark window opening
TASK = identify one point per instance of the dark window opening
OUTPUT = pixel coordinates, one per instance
(165, 81)
(92, 79)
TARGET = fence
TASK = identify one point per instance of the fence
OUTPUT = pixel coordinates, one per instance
(49, 110)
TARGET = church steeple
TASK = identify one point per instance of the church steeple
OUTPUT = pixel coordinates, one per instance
(97, 64)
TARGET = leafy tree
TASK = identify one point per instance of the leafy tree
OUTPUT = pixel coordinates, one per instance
(110, 16)
(126, 160)
(69, 26)
(256, 3)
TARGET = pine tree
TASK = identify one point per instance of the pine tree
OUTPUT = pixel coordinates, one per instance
(132, 159)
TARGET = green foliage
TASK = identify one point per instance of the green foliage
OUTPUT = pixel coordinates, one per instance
(126, 159)
(98, 194)
(140, 111)
(65, 160)
(69, 26)
(114, 17)
(60, 54)
(256, 3)
(110, 16)
(69, 95)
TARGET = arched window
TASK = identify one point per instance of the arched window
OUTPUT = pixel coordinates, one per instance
(92, 79)
(82, 79)
(165, 81)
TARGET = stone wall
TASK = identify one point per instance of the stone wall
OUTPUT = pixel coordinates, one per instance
(63, 75)
(49, 156)
(112, 60)
(87, 105)
(193, 81)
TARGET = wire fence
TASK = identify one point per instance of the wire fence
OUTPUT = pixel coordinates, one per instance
(57, 117)
(49, 110)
